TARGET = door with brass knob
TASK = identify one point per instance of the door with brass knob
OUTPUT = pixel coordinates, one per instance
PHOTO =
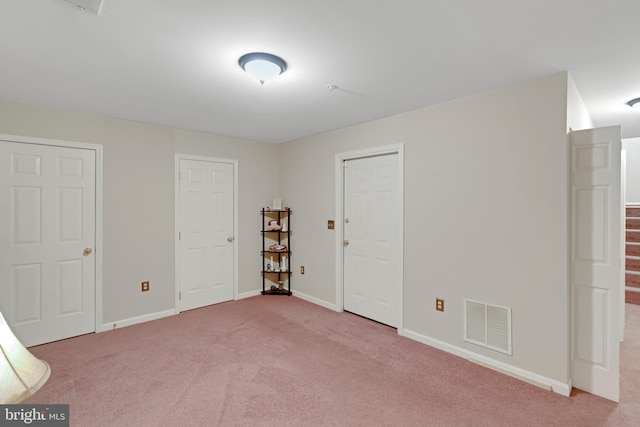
(206, 241)
(372, 267)
(53, 306)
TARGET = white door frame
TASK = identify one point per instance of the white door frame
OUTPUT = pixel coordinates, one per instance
(97, 148)
(623, 239)
(177, 221)
(339, 229)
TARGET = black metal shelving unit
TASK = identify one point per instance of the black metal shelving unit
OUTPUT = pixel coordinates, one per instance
(275, 281)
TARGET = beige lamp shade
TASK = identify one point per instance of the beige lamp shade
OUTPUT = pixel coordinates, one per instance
(21, 373)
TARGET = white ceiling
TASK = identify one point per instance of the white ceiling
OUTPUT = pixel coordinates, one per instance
(175, 62)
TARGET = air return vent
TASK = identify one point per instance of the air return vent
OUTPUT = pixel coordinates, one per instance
(488, 326)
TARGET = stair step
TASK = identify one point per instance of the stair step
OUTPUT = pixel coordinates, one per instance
(632, 264)
(633, 212)
(633, 223)
(632, 280)
(633, 236)
(631, 297)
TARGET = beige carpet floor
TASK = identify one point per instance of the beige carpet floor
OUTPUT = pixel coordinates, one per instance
(281, 361)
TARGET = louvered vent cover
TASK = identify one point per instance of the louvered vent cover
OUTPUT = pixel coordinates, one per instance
(488, 326)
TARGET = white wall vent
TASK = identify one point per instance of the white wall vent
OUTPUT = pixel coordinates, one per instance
(488, 326)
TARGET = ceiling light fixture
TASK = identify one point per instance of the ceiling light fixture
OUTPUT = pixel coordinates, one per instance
(635, 103)
(262, 66)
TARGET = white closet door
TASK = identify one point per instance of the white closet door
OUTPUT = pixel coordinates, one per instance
(206, 233)
(372, 267)
(47, 240)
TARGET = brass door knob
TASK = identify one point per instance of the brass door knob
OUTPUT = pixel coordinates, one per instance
(229, 239)
(87, 251)
(346, 243)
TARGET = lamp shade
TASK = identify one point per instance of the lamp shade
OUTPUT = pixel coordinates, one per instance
(262, 66)
(21, 373)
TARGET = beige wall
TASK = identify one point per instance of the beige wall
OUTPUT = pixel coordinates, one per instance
(138, 218)
(578, 116)
(485, 214)
(307, 184)
(486, 209)
(632, 147)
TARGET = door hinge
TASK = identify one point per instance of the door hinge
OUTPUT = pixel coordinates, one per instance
(180, 296)
(179, 235)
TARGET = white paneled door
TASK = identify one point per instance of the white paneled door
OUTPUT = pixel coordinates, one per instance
(206, 227)
(372, 270)
(597, 260)
(47, 241)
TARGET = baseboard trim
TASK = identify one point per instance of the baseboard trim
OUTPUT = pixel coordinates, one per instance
(249, 294)
(316, 301)
(154, 316)
(504, 368)
(135, 320)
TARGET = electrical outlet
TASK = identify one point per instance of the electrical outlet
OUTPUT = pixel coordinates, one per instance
(145, 286)
(439, 304)
(302, 269)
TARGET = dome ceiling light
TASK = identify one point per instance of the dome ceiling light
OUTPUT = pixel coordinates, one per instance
(263, 67)
(635, 103)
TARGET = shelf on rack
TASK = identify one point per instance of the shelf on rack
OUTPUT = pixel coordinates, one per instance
(277, 292)
(272, 238)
